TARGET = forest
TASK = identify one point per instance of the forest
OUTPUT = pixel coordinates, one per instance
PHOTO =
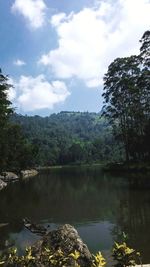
(120, 131)
(63, 138)
(69, 137)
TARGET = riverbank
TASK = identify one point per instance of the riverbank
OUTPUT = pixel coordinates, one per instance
(118, 167)
(10, 177)
(127, 167)
(70, 165)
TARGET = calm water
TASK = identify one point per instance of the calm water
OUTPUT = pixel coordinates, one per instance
(99, 205)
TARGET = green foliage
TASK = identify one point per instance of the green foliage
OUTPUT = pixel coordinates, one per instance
(145, 48)
(15, 151)
(5, 104)
(124, 255)
(47, 257)
(70, 138)
(127, 100)
(98, 260)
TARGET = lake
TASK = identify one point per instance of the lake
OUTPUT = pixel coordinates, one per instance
(100, 206)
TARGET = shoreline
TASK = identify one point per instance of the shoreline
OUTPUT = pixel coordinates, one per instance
(130, 167)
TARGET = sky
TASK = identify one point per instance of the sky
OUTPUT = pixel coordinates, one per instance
(56, 52)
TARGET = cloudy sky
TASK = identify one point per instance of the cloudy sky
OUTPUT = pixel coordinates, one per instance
(57, 51)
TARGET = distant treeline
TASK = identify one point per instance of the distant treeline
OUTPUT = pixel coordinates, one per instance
(69, 137)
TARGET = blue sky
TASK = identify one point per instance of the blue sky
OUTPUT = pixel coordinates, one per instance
(57, 51)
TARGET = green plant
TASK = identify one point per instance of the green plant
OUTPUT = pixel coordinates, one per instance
(124, 255)
(47, 257)
(98, 260)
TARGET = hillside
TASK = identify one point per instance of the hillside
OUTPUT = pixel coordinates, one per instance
(69, 137)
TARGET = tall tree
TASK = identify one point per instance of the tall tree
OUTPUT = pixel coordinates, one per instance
(5, 104)
(15, 152)
(144, 83)
(5, 111)
(127, 98)
(122, 98)
(145, 48)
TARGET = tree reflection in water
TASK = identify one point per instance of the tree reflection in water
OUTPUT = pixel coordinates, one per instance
(99, 205)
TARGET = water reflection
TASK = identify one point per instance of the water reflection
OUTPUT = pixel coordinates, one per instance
(99, 205)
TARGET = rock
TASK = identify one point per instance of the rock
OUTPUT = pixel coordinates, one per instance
(28, 173)
(68, 240)
(2, 184)
(9, 176)
(3, 224)
(34, 228)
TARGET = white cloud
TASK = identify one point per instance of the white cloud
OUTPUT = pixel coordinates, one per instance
(37, 93)
(19, 62)
(57, 19)
(89, 40)
(11, 92)
(32, 10)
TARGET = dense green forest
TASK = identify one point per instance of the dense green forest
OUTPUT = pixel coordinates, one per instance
(69, 137)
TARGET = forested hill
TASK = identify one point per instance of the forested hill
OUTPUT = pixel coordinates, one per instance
(69, 137)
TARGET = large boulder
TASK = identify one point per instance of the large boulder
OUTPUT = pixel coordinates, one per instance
(28, 173)
(2, 184)
(9, 176)
(68, 240)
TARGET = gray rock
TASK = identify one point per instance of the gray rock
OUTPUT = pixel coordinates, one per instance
(9, 176)
(68, 240)
(34, 228)
(28, 173)
(3, 225)
(2, 184)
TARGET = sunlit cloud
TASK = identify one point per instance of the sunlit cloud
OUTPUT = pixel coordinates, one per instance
(35, 93)
(19, 62)
(32, 10)
(89, 40)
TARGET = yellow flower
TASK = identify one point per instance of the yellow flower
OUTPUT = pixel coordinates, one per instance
(75, 255)
(47, 250)
(99, 260)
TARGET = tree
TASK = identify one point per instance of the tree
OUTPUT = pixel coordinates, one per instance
(127, 99)
(144, 82)
(145, 48)
(5, 104)
(15, 151)
(5, 111)
(122, 98)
